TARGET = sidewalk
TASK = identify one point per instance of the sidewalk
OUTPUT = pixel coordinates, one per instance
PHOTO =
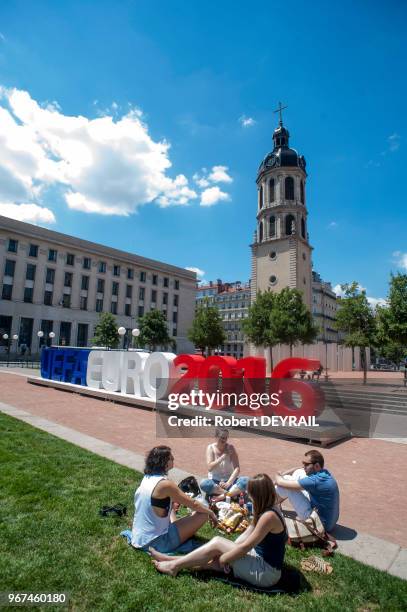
(125, 434)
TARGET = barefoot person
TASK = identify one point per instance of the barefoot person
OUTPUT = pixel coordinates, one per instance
(256, 556)
(224, 468)
(312, 487)
(154, 522)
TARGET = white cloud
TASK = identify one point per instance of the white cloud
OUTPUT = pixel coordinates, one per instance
(219, 174)
(393, 142)
(246, 121)
(212, 196)
(103, 165)
(374, 302)
(201, 181)
(31, 213)
(332, 224)
(400, 259)
(340, 293)
(197, 271)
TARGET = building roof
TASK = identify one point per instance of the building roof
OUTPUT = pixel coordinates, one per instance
(282, 155)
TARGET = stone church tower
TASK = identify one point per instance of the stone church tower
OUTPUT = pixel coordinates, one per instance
(281, 253)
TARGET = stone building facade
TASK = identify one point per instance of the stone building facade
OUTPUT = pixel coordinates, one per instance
(52, 282)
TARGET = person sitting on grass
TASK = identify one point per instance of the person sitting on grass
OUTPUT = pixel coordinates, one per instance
(224, 469)
(312, 487)
(155, 523)
(256, 556)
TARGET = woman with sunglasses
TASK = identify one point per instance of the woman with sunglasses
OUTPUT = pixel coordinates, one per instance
(256, 556)
(155, 524)
(223, 469)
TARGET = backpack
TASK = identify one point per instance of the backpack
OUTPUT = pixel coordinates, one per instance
(308, 531)
(190, 485)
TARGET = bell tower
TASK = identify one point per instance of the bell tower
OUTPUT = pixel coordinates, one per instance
(281, 253)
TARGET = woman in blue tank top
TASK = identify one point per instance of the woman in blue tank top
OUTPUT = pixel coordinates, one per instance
(256, 556)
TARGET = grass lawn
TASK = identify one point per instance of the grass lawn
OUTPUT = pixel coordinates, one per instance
(52, 540)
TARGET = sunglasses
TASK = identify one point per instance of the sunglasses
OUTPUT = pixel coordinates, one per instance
(308, 463)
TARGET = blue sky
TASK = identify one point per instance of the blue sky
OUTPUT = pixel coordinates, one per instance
(136, 77)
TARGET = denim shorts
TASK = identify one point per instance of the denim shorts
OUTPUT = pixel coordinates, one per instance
(167, 542)
(253, 569)
(208, 484)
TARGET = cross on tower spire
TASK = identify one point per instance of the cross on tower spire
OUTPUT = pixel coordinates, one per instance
(278, 110)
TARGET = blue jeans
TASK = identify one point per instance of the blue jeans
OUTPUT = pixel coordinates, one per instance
(209, 484)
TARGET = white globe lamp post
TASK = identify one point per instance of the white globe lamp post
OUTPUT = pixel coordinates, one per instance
(122, 332)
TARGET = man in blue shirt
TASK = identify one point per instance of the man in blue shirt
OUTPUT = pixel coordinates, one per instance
(309, 488)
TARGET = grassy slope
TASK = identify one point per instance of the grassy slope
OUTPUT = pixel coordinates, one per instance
(52, 539)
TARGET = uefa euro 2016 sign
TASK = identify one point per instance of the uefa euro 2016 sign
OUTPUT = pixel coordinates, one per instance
(162, 376)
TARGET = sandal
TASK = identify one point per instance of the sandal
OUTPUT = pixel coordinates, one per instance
(119, 510)
(316, 564)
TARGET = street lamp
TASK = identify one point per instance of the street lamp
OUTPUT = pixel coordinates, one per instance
(122, 332)
(6, 339)
(51, 336)
(40, 335)
(135, 333)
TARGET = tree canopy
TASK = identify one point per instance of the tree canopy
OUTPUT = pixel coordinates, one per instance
(154, 330)
(207, 330)
(106, 331)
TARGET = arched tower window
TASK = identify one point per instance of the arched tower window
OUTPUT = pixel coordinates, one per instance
(289, 225)
(302, 191)
(303, 227)
(261, 231)
(261, 196)
(272, 226)
(272, 190)
(289, 188)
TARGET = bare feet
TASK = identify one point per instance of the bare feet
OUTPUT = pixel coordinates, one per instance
(158, 556)
(166, 567)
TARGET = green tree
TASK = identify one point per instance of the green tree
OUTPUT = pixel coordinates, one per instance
(207, 330)
(391, 336)
(356, 319)
(154, 330)
(106, 331)
(290, 319)
(257, 325)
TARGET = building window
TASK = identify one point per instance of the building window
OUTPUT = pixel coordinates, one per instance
(6, 292)
(50, 276)
(142, 277)
(176, 300)
(99, 305)
(302, 191)
(174, 331)
(66, 300)
(273, 279)
(30, 273)
(261, 231)
(271, 190)
(140, 311)
(113, 307)
(155, 279)
(141, 293)
(272, 226)
(85, 283)
(83, 304)
(304, 256)
(273, 256)
(68, 279)
(87, 262)
(130, 273)
(115, 288)
(70, 259)
(102, 267)
(48, 298)
(261, 196)
(175, 317)
(127, 310)
(28, 295)
(289, 188)
(100, 288)
(176, 285)
(166, 281)
(82, 337)
(116, 270)
(303, 228)
(52, 255)
(289, 225)
(165, 299)
(65, 333)
(153, 296)
(12, 245)
(33, 252)
(10, 267)
(129, 291)
(46, 327)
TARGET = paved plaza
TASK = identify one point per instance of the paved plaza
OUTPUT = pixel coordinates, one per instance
(366, 469)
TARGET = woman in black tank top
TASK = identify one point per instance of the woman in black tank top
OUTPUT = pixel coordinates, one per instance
(256, 556)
